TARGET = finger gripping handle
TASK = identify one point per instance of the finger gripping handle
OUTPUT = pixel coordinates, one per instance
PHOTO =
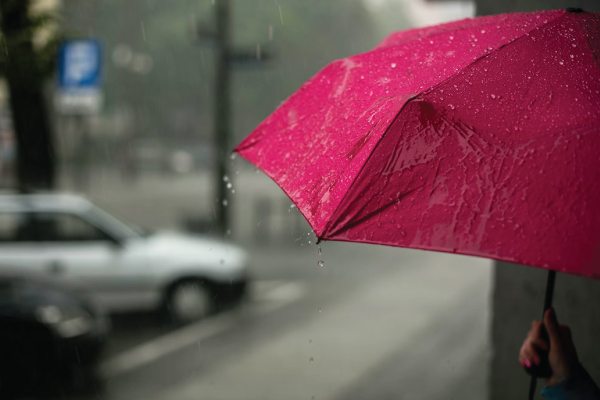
(542, 370)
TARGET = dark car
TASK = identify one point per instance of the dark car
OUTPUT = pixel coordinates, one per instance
(50, 339)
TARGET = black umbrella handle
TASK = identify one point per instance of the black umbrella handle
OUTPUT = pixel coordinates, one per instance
(543, 370)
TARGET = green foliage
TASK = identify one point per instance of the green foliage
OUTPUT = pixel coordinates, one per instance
(19, 29)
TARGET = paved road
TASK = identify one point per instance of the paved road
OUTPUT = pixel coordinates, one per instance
(372, 323)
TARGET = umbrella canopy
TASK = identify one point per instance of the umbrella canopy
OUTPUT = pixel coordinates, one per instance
(477, 137)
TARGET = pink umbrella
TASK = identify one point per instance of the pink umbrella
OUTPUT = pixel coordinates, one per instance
(477, 137)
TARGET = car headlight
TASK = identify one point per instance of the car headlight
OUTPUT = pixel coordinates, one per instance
(67, 322)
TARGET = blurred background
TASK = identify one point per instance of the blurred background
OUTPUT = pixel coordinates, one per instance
(139, 258)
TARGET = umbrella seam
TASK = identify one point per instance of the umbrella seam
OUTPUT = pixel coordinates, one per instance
(333, 221)
(587, 42)
(425, 92)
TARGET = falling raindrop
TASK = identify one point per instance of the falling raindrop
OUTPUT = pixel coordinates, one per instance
(232, 156)
(233, 191)
(229, 185)
(319, 249)
(320, 263)
(292, 206)
(225, 203)
(225, 178)
(320, 311)
(311, 359)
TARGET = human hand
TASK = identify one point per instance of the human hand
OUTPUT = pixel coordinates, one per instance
(562, 355)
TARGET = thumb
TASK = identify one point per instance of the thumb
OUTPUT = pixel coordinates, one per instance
(553, 329)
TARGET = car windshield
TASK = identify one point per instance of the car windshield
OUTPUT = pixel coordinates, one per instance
(115, 225)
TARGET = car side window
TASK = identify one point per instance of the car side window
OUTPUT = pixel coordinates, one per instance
(62, 227)
(16, 227)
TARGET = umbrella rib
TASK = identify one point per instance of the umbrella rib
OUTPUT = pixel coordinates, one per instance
(374, 212)
(486, 55)
(334, 221)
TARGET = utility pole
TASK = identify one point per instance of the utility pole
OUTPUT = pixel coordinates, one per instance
(222, 111)
(226, 58)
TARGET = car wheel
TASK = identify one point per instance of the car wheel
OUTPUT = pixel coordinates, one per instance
(189, 300)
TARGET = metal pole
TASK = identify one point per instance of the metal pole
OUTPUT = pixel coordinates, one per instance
(547, 305)
(222, 112)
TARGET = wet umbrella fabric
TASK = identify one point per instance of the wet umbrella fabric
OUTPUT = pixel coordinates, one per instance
(478, 137)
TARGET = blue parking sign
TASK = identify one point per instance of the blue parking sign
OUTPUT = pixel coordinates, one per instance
(79, 76)
(79, 64)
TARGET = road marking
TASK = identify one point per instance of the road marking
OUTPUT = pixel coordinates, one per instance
(267, 296)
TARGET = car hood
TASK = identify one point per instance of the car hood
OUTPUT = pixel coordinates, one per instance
(182, 248)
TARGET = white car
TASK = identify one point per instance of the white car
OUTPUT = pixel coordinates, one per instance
(67, 238)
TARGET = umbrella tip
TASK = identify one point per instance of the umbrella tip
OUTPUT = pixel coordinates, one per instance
(575, 9)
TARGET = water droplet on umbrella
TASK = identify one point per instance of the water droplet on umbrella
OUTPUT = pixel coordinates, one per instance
(320, 263)
(493, 96)
(394, 65)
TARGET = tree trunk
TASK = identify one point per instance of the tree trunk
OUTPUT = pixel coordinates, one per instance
(35, 148)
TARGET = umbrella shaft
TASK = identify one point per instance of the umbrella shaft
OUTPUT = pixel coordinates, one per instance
(547, 304)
